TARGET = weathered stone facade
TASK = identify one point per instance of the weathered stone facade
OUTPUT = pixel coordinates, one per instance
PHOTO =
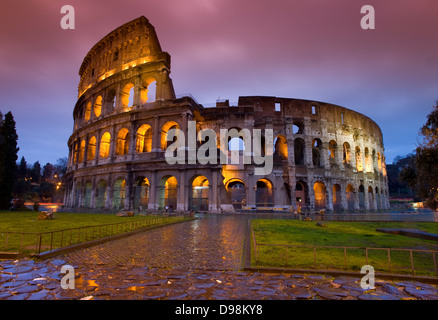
(325, 156)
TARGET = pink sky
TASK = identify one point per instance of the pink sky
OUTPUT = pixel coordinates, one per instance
(309, 49)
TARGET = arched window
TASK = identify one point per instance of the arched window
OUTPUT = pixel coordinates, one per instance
(346, 153)
(299, 147)
(122, 146)
(127, 95)
(320, 195)
(264, 193)
(280, 147)
(105, 142)
(359, 163)
(82, 151)
(237, 193)
(91, 150)
(199, 195)
(164, 131)
(316, 152)
(119, 193)
(101, 194)
(87, 111)
(141, 193)
(144, 139)
(98, 106)
(168, 193)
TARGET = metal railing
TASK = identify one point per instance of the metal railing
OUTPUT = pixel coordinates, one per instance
(37, 242)
(388, 260)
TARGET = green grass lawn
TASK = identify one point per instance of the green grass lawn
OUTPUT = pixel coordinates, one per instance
(97, 223)
(348, 234)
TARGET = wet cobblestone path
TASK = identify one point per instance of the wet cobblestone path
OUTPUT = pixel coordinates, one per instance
(193, 260)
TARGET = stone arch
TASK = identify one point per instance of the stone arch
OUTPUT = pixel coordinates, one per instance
(333, 147)
(144, 139)
(91, 149)
(81, 150)
(141, 192)
(199, 193)
(88, 187)
(299, 151)
(148, 91)
(301, 193)
(346, 156)
(164, 131)
(361, 197)
(168, 192)
(127, 95)
(280, 147)
(122, 144)
(119, 193)
(370, 197)
(337, 203)
(236, 191)
(87, 113)
(359, 163)
(320, 193)
(98, 106)
(297, 127)
(316, 152)
(350, 197)
(105, 142)
(101, 194)
(264, 193)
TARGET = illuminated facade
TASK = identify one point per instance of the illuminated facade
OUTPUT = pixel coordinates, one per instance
(325, 156)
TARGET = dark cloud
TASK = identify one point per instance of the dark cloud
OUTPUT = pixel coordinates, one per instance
(311, 49)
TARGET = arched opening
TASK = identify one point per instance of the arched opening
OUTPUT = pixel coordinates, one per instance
(127, 95)
(87, 111)
(316, 152)
(236, 144)
(122, 146)
(359, 163)
(337, 203)
(297, 128)
(379, 162)
(370, 197)
(301, 194)
(77, 194)
(141, 193)
(119, 193)
(280, 147)
(237, 193)
(98, 106)
(82, 151)
(368, 163)
(75, 151)
(350, 197)
(299, 147)
(164, 131)
(148, 91)
(320, 195)
(198, 197)
(346, 158)
(91, 150)
(105, 142)
(378, 201)
(264, 193)
(87, 194)
(168, 192)
(144, 139)
(101, 194)
(361, 197)
(333, 146)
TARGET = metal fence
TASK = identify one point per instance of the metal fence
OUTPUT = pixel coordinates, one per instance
(34, 243)
(392, 260)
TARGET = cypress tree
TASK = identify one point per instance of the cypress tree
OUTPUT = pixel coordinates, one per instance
(8, 159)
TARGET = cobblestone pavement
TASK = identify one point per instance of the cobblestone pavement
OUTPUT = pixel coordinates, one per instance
(195, 260)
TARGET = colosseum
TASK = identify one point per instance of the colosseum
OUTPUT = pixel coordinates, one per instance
(324, 156)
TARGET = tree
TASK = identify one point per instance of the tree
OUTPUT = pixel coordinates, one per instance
(426, 160)
(35, 173)
(48, 171)
(8, 158)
